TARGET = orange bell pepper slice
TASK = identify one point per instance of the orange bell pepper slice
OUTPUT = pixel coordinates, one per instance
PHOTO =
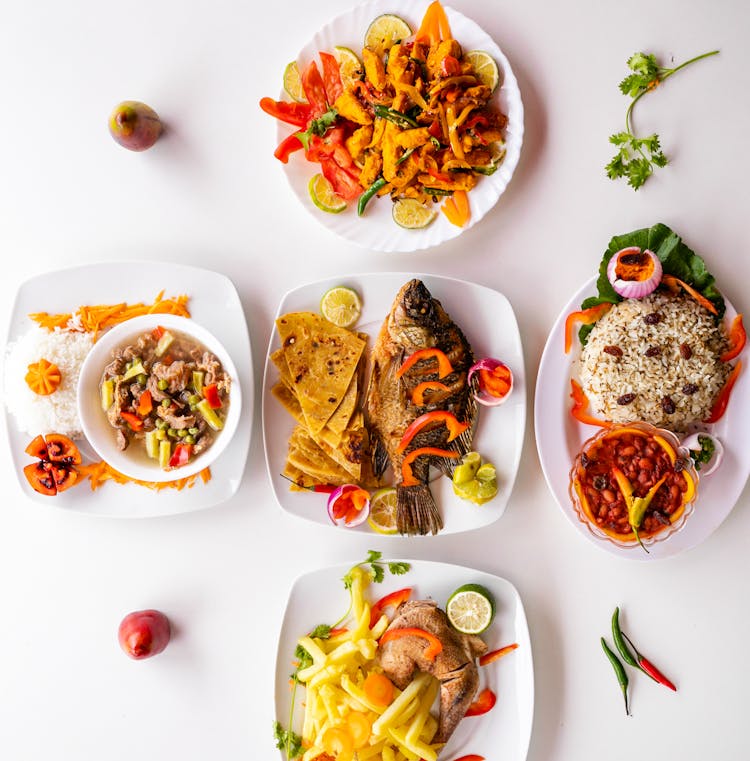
(457, 208)
(417, 396)
(434, 26)
(485, 702)
(392, 600)
(132, 420)
(444, 364)
(495, 655)
(434, 645)
(737, 339)
(581, 404)
(145, 403)
(452, 423)
(674, 283)
(586, 316)
(722, 400)
(407, 476)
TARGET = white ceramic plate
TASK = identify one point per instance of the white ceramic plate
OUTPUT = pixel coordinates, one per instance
(488, 322)
(376, 230)
(214, 303)
(320, 597)
(559, 438)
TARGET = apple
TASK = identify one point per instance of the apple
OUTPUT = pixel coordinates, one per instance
(144, 633)
(134, 125)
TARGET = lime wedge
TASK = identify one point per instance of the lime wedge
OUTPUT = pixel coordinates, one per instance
(384, 31)
(323, 196)
(350, 67)
(470, 609)
(341, 306)
(484, 67)
(411, 214)
(293, 83)
(383, 511)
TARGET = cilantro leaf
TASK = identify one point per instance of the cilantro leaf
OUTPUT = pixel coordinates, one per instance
(377, 568)
(287, 740)
(321, 631)
(399, 568)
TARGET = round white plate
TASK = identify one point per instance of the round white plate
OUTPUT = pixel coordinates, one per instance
(487, 319)
(213, 303)
(559, 437)
(320, 597)
(376, 230)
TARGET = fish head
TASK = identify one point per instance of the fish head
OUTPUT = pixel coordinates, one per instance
(415, 316)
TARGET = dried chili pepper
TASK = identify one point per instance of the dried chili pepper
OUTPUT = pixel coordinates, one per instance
(619, 669)
(647, 667)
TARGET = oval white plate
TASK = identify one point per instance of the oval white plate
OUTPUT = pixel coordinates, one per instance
(559, 437)
(214, 303)
(320, 597)
(487, 319)
(376, 230)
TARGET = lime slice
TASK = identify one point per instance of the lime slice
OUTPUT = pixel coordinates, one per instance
(470, 609)
(384, 31)
(350, 67)
(341, 306)
(411, 214)
(293, 83)
(383, 511)
(467, 470)
(321, 192)
(484, 67)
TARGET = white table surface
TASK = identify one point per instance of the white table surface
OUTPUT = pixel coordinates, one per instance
(211, 194)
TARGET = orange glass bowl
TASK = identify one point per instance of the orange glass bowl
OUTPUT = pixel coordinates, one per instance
(643, 454)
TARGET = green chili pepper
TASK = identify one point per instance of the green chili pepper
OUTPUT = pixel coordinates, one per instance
(397, 117)
(622, 677)
(368, 194)
(619, 640)
(405, 156)
(437, 192)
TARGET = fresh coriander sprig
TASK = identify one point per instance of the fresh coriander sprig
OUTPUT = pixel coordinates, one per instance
(287, 740)
(636, 157)
(377, 568)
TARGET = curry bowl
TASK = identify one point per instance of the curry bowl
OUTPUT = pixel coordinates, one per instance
(631, 485)
(159, 398)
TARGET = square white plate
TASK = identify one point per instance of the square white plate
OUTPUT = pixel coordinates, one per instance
(214, 303)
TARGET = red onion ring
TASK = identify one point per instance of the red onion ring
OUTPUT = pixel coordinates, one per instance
(482, 395)
(334, 497)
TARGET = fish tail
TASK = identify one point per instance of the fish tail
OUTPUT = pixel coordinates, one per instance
(416, 511)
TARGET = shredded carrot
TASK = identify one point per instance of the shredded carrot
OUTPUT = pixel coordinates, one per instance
(99, 472)
(94, 319)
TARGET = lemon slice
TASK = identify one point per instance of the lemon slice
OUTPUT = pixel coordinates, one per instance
(323, 196)
(293, 83)
(384, 31)
(350, 67)
(383, 511)
(411, 214)
(484, 67)
(470, 609)
(341, 306)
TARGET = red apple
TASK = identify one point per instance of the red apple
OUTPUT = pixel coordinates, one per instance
(144, 633)
(134, 125)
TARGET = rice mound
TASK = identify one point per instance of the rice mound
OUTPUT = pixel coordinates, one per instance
(681, 369)
(58, 411)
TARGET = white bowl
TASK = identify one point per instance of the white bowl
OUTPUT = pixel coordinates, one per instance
(100, 433)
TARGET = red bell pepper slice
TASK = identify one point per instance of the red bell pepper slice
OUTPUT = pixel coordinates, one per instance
(417, 396)
(450, 67)
(586, 316)
(470, 757)
(315, 91)
(674, 283)
(394, 599)
(287, 147)
(485, 702)
(145, 403)
(211, 395)
(158, 332)
(495, 382)
(722, 400)
(581, 404)
(331, 77)
(435, 129)
(444, 364)
(737, 339)
(181, 455)
(349, 504)
(439, 176)
(434, 645)
(298, 114)
(495, 655)
(132, 420)
(480, 119)
(452, 423)
(407, 476)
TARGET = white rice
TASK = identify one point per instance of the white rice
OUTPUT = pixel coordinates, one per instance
(35, 414)
(691, 383)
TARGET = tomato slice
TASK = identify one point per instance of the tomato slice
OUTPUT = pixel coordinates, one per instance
(315, 91)
(298, 114)
(331, 77)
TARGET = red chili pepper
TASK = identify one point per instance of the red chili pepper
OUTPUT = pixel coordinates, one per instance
(145, 403)
(484, 702)
(287, 147)
(407, 476)
(211, 395)
(317, 488)
(649, 667)
(315, 91)
(452, 423)
(586, 316)
(434, 645)
(417, 396)
(298, 114)
(132, 420)
(444, 364)
(722, 400)
(495, 655)
(737, 339)
(181, 455)
(581, 404)
(331, 76)
(394, 599)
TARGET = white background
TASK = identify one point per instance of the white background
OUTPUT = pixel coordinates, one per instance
(211, 194)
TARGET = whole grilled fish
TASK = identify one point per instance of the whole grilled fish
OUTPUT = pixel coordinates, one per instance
(417, 321)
